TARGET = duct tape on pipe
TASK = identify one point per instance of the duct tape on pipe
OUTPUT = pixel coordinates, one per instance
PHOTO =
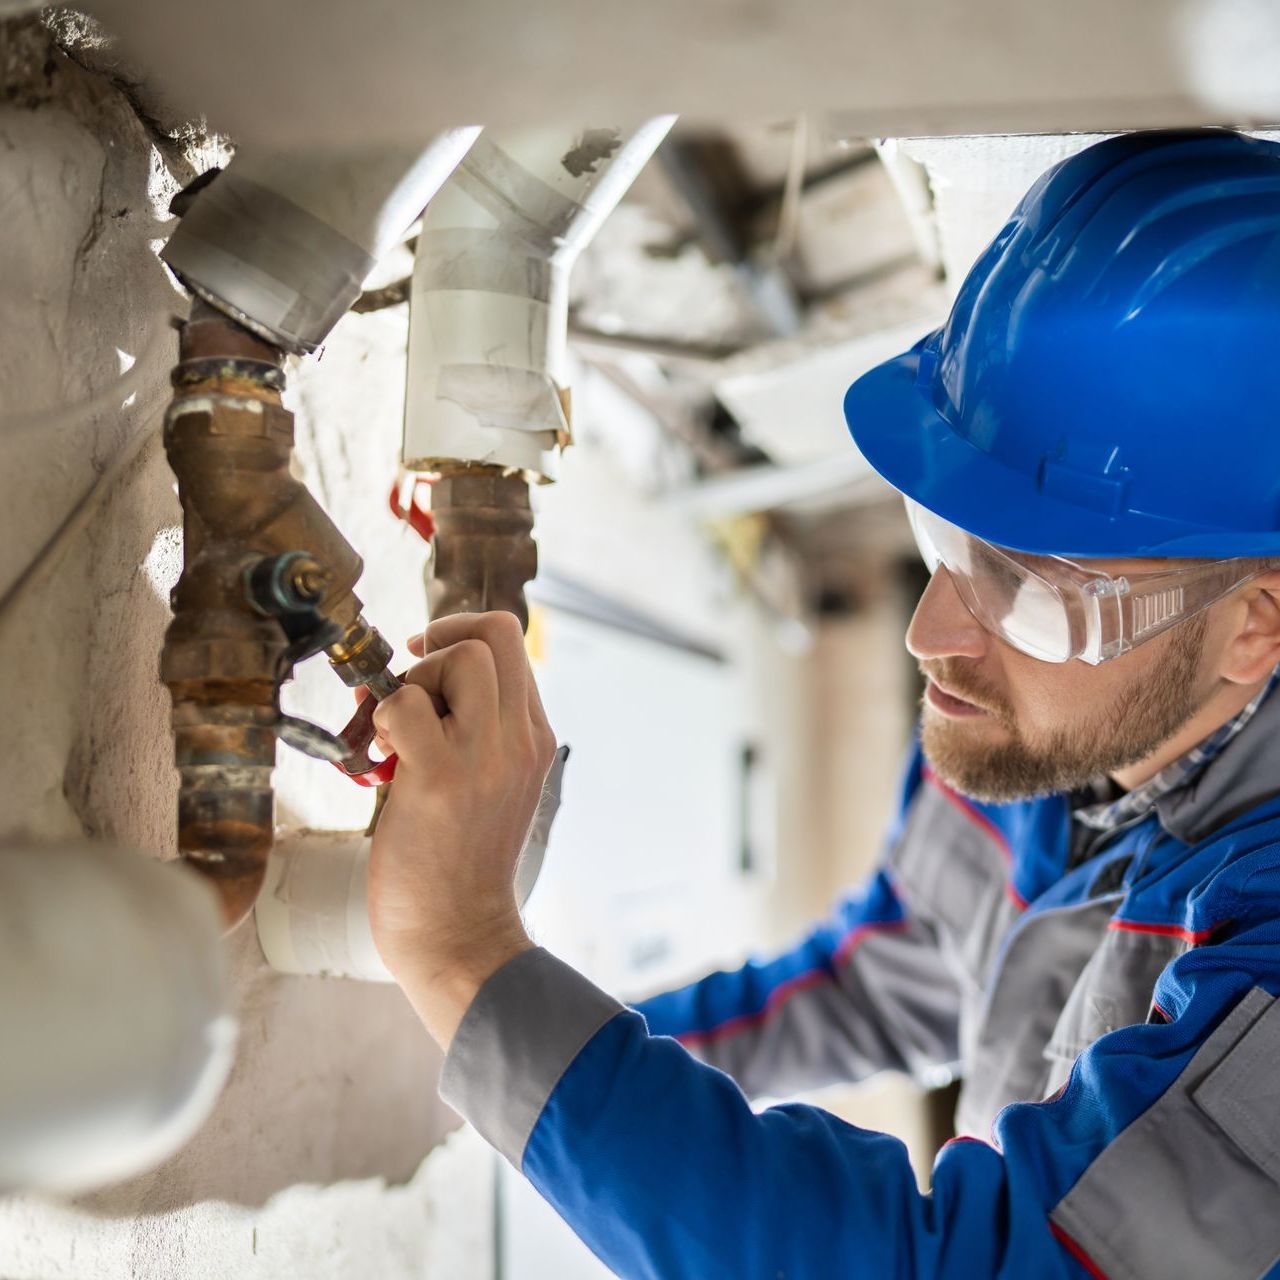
(484, 261)
(521, 201)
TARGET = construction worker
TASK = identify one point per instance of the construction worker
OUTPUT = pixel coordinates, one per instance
(1079, 907)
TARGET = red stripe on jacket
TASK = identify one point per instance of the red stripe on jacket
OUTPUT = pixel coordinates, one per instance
(1077, 1252)
(800, 982)
(1192, 937)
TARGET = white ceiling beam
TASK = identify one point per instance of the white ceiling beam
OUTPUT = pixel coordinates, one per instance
(299, 71)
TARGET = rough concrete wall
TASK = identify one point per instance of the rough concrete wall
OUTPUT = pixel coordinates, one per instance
(318, 1160)
(81, 185)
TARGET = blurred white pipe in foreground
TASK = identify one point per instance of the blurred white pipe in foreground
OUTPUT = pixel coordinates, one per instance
(489, 308)
(114, 1010)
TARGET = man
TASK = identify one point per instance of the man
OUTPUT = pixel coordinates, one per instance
(1080, 902)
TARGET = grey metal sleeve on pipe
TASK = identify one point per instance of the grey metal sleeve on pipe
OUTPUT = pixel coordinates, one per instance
(268, 263)
(283, 243)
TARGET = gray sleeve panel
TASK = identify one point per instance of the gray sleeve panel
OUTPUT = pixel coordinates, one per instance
(517, 1038)
(1242, 1094)
(894, 1003)
(1189, 1190)
(892, 1006)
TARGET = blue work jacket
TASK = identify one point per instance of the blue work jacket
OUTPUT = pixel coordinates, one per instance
(1114, 1018)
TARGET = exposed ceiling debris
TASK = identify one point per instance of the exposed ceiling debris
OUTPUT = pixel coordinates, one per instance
(753, 275)
(750, 276)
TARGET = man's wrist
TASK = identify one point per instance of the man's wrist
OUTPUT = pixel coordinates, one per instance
(442, 979)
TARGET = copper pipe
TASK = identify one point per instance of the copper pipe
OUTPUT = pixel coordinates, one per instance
(484, 547)
(229, 441)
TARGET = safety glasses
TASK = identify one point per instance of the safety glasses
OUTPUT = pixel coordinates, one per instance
(1056, 609)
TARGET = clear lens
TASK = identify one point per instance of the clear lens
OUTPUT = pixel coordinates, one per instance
(1055, 609)
(1006, 596)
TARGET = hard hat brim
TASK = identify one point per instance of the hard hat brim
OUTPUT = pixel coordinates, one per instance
(905, 439)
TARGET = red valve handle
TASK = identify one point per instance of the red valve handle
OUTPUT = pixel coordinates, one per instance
(418, 518)
(358, 735)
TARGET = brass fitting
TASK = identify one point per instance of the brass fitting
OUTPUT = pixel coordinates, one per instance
(229, 441)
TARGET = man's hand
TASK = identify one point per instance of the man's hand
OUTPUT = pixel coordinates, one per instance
(474, 747)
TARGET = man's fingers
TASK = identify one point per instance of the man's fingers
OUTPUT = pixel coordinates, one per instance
(462, 681)
(518, 697)
(417, 644)
(501, 633)
(408, 724)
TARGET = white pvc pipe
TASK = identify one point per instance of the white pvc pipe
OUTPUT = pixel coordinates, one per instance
(488, 311)
(313, 911)
(114, 1010)
(283, 240)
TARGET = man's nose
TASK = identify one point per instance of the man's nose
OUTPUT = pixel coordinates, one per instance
(942, 626)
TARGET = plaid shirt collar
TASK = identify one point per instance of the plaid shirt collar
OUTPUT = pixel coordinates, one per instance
(1108, 815)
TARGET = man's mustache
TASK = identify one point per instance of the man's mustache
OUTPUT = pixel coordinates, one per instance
(965, 684)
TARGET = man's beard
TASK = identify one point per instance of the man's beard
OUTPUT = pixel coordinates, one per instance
(1144, 716)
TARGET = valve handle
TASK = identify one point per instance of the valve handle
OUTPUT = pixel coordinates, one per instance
(311, 739)
(403, 502)
(358, 735)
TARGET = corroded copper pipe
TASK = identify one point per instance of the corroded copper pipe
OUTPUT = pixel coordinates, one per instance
(484, 547)
(229, 441)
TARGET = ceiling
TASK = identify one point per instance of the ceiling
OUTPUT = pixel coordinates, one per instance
(837, 168)
(304, 70)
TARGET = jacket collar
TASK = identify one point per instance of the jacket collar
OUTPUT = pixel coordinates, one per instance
(1245, 773)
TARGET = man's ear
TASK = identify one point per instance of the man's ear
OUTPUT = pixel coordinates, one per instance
(1255, 648)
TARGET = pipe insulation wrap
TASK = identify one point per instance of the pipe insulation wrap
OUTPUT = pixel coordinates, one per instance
(116, 1012)
(313, 911)
(488, 318)
(282, 242)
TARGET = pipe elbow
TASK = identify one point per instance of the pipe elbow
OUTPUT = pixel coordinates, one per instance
(235, 883)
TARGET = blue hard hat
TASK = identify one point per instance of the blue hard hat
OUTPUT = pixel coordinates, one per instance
(1107, 382)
